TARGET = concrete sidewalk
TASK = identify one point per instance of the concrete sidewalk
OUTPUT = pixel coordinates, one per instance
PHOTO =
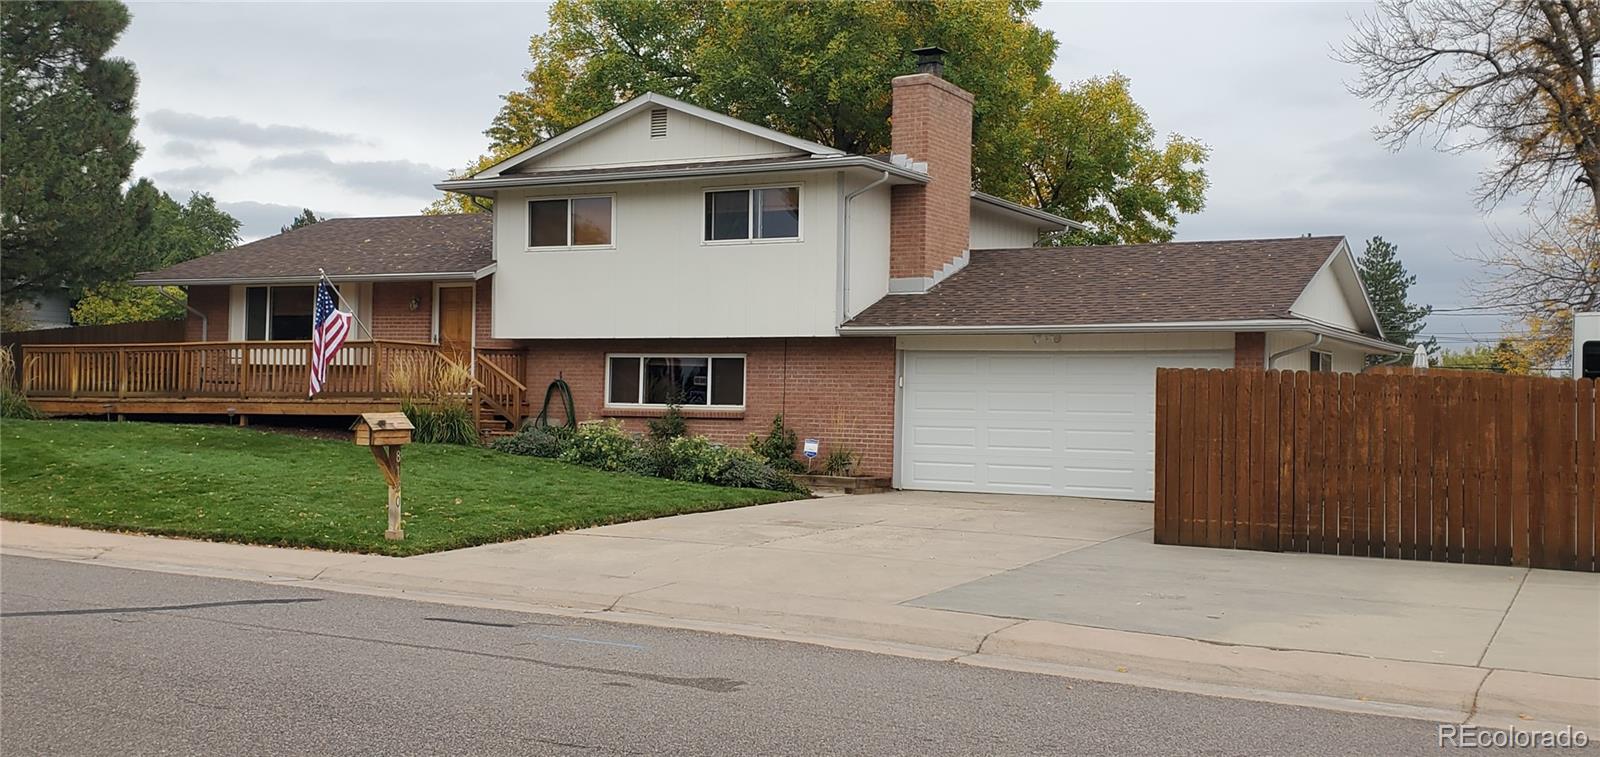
(1042, 583)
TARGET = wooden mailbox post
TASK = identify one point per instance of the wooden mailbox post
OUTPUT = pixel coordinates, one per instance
(385, 434)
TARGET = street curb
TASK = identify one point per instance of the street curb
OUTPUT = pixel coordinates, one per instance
(1429, 691)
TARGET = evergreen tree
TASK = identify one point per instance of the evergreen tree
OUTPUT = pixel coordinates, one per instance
(66, 123)
(1388, 285)
(306, 218)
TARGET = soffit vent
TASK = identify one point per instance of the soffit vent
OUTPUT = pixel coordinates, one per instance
(658, 123)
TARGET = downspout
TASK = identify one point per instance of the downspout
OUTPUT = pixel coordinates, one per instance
(843, 304)
(1313, 344)
(205, 323)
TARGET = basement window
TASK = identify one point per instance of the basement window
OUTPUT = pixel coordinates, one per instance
(687, 380)
(739, 215)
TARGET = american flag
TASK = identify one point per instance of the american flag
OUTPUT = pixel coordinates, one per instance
(329, 328)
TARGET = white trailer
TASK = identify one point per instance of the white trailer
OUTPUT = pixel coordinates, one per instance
(1586, 345)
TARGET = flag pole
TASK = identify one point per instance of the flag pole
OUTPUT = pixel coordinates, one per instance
(344, 302)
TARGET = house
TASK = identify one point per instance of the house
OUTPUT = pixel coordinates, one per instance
(662, 252)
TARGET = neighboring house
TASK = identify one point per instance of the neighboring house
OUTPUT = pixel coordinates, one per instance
(49, 311)
(664, 252)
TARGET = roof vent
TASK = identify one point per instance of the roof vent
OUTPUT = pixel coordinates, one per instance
(658, 123)
(930, 60)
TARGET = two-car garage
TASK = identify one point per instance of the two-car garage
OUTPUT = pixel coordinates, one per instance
(1069, 423)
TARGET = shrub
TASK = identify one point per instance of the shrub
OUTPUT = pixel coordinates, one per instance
(536, 441)
(841, 461)
(434, 395)
(778, 447)
(605, 446)
(670, 426)
(12, 403)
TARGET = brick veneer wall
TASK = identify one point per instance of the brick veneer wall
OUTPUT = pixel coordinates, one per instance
(840, 390)
(932, 122)
(213, 301)
(1250, 350)
(392, 316)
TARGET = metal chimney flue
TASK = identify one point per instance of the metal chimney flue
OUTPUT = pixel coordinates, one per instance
(930, 60)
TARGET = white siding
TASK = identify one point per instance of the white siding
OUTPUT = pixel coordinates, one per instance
(689, 139)
(993, 230)
(1324, 300)
(659, 279)
(869, 247)
(1346, 358)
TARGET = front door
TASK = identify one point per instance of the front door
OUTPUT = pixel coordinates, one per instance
(455, 322)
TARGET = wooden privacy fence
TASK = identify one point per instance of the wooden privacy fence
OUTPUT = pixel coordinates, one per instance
(1475, 468)
(113, 333)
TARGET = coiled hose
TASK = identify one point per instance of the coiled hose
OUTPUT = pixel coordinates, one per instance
(559, 385)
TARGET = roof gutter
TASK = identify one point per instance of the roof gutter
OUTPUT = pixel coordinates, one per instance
(1368, 343)
(1033, 214)
(313, 278)
(656, 174)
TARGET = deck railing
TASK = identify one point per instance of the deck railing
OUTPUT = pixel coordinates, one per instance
(247, 370)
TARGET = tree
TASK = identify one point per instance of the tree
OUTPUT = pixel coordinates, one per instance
(1504, 357)
(1513, 76)
(177, 232)
(1092, 156)
(822, 71)
(66, 124)
(1388, 285)
(306, 218)
(1543, 276)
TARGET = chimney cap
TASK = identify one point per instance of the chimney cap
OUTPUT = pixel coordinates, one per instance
(930, 60)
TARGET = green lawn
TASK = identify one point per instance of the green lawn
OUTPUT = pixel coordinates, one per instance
(231, 484)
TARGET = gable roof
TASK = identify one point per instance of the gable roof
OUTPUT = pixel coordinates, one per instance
(650, 100)
(1174, 282)
(393, 247)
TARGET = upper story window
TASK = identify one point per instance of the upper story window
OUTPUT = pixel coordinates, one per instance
(570, 222)
(747, 214)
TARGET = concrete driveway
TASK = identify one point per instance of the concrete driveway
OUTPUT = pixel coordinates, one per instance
(1078, 561)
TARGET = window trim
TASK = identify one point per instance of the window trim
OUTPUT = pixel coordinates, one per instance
(527, 226)
(1326, 358)
(750, 215)
(744, 367)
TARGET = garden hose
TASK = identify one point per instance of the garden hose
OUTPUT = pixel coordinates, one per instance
(543, 419)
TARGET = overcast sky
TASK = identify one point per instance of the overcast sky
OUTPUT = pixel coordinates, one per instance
(355, 109)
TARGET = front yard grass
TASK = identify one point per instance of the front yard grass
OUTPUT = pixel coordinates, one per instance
(230, 484)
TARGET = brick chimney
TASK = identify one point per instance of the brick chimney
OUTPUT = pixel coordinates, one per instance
(932, 124)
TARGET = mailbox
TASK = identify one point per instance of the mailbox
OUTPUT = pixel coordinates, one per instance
(382, 429)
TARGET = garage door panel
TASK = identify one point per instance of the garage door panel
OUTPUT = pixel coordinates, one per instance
(1048, 423)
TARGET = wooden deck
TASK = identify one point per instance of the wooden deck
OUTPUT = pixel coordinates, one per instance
(251, 378)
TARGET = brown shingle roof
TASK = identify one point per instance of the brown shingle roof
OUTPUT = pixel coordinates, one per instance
(349, 247)
(1114, 284)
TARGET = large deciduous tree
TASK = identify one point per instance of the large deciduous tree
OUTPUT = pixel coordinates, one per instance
(1517, 77)
(1092, 156)
(1544, 275)
(177, 232)
(66, 121)
(822, 71)
(1388, 286)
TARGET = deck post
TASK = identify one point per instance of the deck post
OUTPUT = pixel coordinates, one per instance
(72, 373)
(244, 369)
(122, 373)
(377, 369)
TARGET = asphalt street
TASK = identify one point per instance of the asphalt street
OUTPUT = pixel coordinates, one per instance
(99, 660)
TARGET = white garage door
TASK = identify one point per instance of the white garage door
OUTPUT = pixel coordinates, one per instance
(1081, 424)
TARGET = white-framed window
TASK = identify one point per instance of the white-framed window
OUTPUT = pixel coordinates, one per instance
(753, 213)
(571, 222)
(687, 380)
(1321, 362)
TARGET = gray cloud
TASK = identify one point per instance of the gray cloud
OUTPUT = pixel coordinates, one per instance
(194, 176)
(390, 177)
(263, 219)
(200, 128)
(179, 148)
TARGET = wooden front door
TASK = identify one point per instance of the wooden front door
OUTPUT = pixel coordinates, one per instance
(455, 321)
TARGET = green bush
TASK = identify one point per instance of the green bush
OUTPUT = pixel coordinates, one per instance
(606, 446)
(670, 426)
(445, 423)
(14, 405)
(841, 461)
(536, 441)
(778, 447)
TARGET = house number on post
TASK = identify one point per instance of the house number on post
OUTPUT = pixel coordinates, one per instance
(385, 434)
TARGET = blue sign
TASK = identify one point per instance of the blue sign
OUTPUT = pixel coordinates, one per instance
(812, 445)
